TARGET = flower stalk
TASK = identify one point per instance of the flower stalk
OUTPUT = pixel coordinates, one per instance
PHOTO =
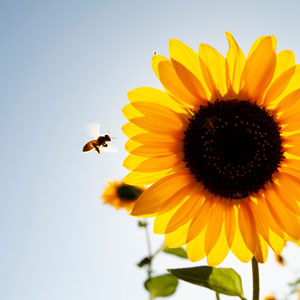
(150, 256)
(255, 277)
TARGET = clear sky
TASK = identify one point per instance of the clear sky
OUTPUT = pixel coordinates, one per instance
(65, 63)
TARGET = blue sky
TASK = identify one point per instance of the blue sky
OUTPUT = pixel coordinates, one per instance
(63, 64)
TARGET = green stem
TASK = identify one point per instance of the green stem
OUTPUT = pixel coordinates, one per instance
(217, 296)
(158, 250)
(148, 242)
(255, 277)
(149, 268)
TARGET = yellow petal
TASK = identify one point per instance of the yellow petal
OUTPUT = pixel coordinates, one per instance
(156, 139)
(165, 71)
(131, 129)
(288, 101)
(220, 250)
(268, 219)
(190, 82)
(230, 222)
(182, 55)
(131, 145)
(278, 86)
(130, 112)
(153, 145)
(162, 219)
(293, 163)
(239, 248)
(293, 84)
(155, 197)
(284, 60)
(183, 194)
(214, 226)
(155, 164)
(235, 62)
(287, 195)
(293, 139)
(295, 150)
(284, 218)
(291, 116)
(292, 171)
(258, 41)
(261, 225)
(155, 96)
(185, 213)
(156, 60)
(247, 226)
(261, 251)
(292, 126)
(177, 238)
(141, 178)
(292, 181)
(195, 248)
(276, 242)
(200, 219)
(154, 151)
(259, 70)
(132, 161)
(169, 208)
(213, 68)
(158, 112)
(150, 109)
(157, 124)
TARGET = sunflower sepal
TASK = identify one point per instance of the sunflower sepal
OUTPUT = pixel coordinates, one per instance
(179, 252)
(141, 223)
(221, 280)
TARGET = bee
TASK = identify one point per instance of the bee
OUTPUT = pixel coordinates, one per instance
(209, 123)
(237, 195)
(98, 141)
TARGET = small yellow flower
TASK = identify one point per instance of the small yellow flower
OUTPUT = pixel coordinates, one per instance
(271, 297)
(121, 195)
(220, 147)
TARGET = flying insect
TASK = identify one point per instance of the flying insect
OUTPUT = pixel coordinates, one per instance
(99, 141)
(210, 122)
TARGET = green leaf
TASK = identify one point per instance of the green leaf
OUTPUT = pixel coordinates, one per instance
(175, 251)
(162, 286)
(221, 280)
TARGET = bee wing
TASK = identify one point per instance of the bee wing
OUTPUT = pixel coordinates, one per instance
(109, 149)
(93, 129)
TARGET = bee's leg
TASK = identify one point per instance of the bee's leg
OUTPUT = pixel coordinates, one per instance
(96, 148)
(104, 145)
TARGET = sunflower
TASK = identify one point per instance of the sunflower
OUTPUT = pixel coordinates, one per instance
(220, 148)
(121, 195)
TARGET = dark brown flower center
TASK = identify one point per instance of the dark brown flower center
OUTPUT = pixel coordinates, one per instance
(128, 192)
(233, 147)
